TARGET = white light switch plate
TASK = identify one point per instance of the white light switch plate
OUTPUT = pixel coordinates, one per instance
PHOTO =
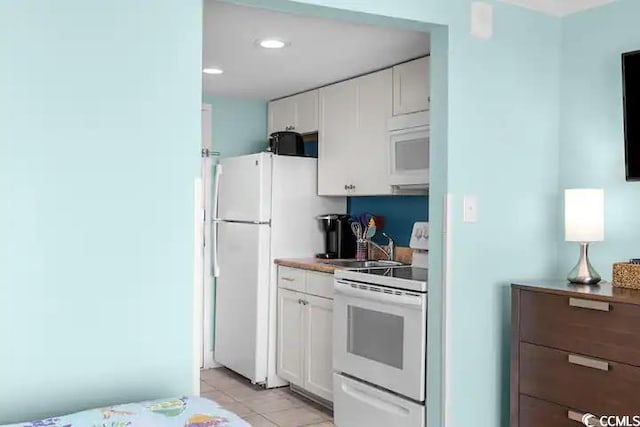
(470, 209)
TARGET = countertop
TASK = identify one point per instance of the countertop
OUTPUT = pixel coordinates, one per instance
(604, 291)
(403, 255)
(313, 264)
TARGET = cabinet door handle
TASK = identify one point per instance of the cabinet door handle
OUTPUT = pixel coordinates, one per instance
(346, 187)
(287, 279)
(589, 304)
(588, 362)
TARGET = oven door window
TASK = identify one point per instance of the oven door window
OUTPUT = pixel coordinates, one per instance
(376, 335)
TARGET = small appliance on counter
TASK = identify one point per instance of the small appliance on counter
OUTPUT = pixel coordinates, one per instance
(339, 241)
(286, 144)
(380, 341)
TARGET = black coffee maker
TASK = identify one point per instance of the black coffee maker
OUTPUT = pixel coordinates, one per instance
(339, 241)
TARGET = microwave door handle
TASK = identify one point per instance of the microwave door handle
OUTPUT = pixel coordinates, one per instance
(215, 267)
(407, 300)
(375, 401)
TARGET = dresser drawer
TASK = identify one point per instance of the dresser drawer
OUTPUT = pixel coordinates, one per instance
(601, 329)
(572, 380)
(539, 413)
(292, 278)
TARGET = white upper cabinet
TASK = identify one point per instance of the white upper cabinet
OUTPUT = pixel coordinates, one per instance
(411, 86)
(338, 129)
(282, 115)
(370, 167)
(297, 113)
(306, 107)
(353, 152)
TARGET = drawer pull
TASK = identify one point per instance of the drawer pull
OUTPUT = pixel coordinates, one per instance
(589, 304)
(575, 416)
(287, 279)
(588, 362)
(579, 417)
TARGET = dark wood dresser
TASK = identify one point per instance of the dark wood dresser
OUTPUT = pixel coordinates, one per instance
(574, 350)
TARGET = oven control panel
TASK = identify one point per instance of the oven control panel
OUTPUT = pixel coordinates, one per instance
(420, 236)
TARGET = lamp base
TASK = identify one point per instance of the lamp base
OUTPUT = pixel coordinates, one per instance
(584, 273)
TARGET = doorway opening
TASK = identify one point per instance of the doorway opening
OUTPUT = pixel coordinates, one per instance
(291, 70)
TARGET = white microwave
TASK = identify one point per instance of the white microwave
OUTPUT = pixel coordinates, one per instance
(409, 150)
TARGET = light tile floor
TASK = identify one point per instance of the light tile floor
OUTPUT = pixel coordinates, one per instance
(259, 407)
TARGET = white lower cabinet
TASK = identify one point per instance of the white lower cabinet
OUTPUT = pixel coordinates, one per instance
(305, 332)
(318, 349)
(290, 336)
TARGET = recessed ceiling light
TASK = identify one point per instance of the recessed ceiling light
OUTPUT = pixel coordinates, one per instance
(212, 70)
(272, 43)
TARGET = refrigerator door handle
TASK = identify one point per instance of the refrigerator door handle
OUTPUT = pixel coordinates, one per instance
(214, 247)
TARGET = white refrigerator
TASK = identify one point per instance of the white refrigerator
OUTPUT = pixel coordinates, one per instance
(264, 207)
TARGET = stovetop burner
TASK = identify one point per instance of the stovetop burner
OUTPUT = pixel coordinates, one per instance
(400, 272)
(401, 277)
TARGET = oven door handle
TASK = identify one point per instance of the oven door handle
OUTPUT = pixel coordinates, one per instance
(375, 401)
(344, 288)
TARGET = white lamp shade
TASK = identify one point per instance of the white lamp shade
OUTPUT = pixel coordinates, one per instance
(584, 215)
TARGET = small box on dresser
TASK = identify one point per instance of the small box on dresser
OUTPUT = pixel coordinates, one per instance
(574, 350)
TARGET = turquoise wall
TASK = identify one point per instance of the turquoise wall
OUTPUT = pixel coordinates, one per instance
(99, 147)
(398, 213)
(238, 125)
(592, 138)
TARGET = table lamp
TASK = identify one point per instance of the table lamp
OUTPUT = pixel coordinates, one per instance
(584, 223)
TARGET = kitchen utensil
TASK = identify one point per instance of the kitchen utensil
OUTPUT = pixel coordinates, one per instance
(371, 229)
(356, 227)
(362, 249)
(365, 218)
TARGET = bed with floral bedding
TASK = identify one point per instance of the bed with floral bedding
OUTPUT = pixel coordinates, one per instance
(178, 412)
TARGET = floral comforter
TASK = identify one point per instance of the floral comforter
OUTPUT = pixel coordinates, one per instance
(178, 412)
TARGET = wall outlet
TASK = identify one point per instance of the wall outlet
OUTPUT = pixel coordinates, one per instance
(470, 209)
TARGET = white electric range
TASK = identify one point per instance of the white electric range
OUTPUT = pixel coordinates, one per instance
(380, 336)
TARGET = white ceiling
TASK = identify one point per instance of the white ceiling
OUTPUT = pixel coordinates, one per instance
(559, 7)
(321, 51)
